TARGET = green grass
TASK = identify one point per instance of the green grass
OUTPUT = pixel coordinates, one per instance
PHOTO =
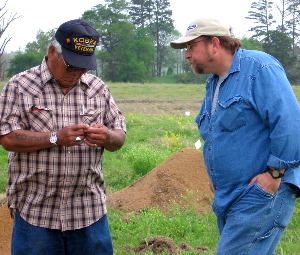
(150, 140)
(157, 132)
(179, 224)
(3, 169)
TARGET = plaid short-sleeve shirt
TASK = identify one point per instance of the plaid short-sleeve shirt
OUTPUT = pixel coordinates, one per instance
(59, 187)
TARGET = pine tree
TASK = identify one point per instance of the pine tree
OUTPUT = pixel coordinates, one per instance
(263, 17)
(155, 15)
(293, 21)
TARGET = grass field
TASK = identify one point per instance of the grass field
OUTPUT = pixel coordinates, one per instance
(157, 127)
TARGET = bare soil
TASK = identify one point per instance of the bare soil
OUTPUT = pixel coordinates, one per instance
(6, 224)
(159, 244)
(181, 178)
(182, 175)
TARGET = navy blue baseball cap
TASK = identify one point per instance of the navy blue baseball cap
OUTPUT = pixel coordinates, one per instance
(78, 41)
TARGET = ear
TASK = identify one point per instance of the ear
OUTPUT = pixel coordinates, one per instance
(51, 53)
(216, 45)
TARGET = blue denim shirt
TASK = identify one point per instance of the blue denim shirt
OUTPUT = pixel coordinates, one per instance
(256, 124)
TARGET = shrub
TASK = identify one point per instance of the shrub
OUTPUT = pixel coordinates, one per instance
(143, 159)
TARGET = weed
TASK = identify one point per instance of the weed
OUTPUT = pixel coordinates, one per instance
(143, 159)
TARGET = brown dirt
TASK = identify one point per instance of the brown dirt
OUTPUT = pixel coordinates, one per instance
(6, 224)
(160, 244)
(181, 178)
(182, 175)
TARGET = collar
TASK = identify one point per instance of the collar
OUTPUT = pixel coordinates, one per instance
(47, 76)
(235, 66)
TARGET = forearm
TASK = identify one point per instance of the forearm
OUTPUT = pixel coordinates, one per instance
(114, 140)
(25, 141)
(29, 141)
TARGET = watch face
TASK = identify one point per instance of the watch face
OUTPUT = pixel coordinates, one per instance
(53, 138)
(275, 173)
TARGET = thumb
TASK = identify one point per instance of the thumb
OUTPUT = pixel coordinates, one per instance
(254, 179)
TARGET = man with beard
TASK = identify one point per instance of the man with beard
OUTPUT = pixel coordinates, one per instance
(250, 121)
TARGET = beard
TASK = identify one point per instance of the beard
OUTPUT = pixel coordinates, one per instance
(197, 68)
(203, 66)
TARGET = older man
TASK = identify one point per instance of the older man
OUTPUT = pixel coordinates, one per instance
(56, 121)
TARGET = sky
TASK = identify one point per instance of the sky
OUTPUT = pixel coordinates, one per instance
(38, 15)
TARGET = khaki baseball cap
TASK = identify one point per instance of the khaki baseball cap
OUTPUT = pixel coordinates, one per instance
(204, 26)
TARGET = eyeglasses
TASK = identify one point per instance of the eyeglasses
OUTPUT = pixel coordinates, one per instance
(70, 68)
(190, 46)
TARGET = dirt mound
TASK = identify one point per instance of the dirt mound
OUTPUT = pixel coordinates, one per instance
(160, 244)
(182, 175)
(6, 224)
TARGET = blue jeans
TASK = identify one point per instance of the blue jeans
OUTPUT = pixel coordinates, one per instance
(31, 240)
(255, 223)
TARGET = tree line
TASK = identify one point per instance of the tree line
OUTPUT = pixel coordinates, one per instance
(135, 36)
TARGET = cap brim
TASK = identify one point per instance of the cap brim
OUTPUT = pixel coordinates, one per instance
(81, 61)
(181, 42)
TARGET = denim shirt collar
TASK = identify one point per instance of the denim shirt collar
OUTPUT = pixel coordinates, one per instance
(235, 67)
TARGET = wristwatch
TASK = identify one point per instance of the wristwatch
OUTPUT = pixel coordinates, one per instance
(275, 172)
(53, 138)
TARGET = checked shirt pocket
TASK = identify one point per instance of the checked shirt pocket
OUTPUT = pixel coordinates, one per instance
(40, 118)
(92, 116)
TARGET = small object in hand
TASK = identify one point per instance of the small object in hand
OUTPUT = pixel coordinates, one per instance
(78, 139)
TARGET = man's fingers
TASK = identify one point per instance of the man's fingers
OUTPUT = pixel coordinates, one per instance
(80, 126)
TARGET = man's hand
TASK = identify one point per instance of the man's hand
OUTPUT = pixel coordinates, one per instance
(97, 135)
(68, 135)
(267, 182)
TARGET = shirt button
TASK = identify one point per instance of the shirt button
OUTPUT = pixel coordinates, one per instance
(210, 129)
(212, 169)
(216, 187)
(209, 148)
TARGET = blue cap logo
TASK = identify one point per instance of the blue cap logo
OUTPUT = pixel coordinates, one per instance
(191, 27)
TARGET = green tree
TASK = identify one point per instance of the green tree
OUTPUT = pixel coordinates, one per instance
(251, 43)
(41, 43)
(33, 55)
(126, 52)
(281, 42)
(262, 16)
(109, 19)
(144, 49)
(140, 12)
(293, 21)
(23, 61)
(156, 15)
(280, 46)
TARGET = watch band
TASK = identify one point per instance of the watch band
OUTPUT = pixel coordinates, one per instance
(275, 172)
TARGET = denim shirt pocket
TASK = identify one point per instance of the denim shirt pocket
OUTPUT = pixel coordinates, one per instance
(232, 117)
(202, 122)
